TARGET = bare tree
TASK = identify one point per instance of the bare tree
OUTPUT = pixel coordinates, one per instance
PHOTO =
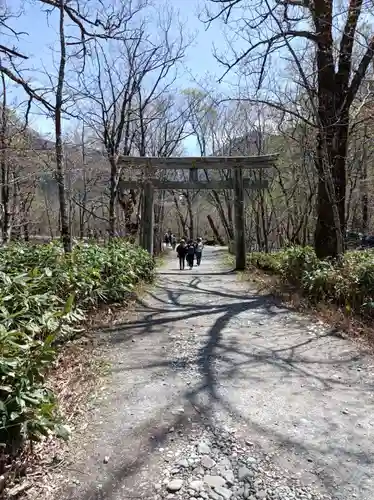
(121, 89)
(14, 175)
(58, 111)
(275, 25)
(166, 129)
(4, 162)
(208, 121)
(107, 25)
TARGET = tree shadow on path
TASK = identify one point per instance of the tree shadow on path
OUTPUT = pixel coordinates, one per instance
(215, 306)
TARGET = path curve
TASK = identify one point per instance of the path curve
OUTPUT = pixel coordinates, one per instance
(203, 352)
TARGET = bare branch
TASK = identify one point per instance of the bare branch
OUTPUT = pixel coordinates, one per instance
(12, 52)
(26, 87)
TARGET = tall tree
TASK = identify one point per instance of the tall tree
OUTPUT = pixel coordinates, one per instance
(108, 24)
(124, 85)
(331, 30)
(58, 112)
(4, 163)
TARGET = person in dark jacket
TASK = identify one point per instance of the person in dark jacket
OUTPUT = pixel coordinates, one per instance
(190, 253)
(182, 252)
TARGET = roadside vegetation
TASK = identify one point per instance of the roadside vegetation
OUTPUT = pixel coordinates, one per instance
(45, 295)
(348, 285)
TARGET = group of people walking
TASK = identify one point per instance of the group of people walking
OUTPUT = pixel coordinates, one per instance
(170, 239)
(188, 251)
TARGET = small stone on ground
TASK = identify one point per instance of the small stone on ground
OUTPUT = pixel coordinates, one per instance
(226, 474)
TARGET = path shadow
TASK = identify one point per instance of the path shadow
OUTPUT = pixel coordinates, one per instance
(179, 301)
(196, 272)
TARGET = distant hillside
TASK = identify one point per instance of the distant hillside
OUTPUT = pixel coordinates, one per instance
(252, 144)
(38, 142)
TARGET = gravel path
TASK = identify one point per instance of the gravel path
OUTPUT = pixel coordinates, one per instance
(219, 393)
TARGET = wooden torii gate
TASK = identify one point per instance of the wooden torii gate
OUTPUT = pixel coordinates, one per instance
(234, 163)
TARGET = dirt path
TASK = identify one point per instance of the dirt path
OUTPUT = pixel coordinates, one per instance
(202, 353)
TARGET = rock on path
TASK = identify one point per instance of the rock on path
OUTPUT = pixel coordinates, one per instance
(224, 395)
(236, 474)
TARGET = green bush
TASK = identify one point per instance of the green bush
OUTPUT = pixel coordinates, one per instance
(269, 262)
(44, 294)
(92, 272)
(349, 284)
(27, 407)
(295, 261)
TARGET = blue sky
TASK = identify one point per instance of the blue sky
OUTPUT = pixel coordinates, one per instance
(199, 64)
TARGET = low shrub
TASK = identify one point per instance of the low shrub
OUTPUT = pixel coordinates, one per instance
(349, 284)
(44, 295)
(268, 262)
(28, 409)
(296, 261)
(94, 273)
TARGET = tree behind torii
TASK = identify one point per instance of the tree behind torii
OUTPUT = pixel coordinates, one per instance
(341, 57)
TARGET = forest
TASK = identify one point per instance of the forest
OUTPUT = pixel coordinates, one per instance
(68, 183)
(114, 79)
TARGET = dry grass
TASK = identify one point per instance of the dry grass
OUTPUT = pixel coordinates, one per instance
(349, 325)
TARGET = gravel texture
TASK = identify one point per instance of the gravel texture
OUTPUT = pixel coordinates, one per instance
(219, 393)
(227, 469)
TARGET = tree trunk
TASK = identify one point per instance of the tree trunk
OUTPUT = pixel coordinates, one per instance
(26, 232)
(159, 221)
(329, 241)
(47, 211)
(334, 100)
(191, 225)
(6, 226)
(182, 220)
(112, 198)
(215, 230)
(83, 207)
(264, 224)
(16, 225)
(25, 222)
(60, 167)
(227, 222)
(230, 228)
(81, 212)
(5, 194)
(364, 193)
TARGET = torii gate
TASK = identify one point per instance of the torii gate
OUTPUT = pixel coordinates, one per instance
(234, 163)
